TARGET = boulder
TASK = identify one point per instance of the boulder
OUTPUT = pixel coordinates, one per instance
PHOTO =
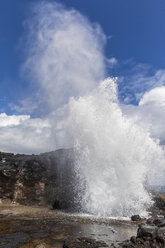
(146, 231)
(133, 239)
(135, 217)
(148, 236)
(161, 234)
(159, 221)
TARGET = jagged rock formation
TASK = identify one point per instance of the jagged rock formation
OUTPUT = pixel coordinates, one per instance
(45, 179)
(149, 234)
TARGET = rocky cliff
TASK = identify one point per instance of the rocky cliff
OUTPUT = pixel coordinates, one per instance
(45, 179)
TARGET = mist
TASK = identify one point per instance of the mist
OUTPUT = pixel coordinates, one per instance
(65, 53)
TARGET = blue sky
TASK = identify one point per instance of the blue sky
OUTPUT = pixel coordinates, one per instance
(136, 36)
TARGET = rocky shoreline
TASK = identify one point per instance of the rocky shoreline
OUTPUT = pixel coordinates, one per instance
(33, 188)
(40, 227)
(150, 234)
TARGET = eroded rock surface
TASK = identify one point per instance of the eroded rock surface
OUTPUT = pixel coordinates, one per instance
(148, 235)
(45, 179)
(83, 243)
(159, 200)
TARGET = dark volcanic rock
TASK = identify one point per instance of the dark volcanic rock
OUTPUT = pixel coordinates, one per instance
(21, 179)
(83, 243)
(135, 218)
(159, 221)
(133, 239)
(159, 200)
(147, 236)
(45, 179)
(146, 231)
(56, 205)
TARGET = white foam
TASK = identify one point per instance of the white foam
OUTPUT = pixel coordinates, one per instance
(114, 158)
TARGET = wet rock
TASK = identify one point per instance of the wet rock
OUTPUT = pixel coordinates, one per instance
(133, 239)
(135, 217)
(126, 244)
(159, 200)
(13, 240)
(146, 231)
(161, 235)
(56, 205)
(83, 243)
(149, 221)
(148, 236)
(114, 245)
(159, 221)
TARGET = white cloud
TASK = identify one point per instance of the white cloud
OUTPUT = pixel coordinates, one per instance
(150, 112)
(111, 62)
(13, 120)
(146, 87)
(22, 134)
(155, 96)
(139, 79)
(27, 105)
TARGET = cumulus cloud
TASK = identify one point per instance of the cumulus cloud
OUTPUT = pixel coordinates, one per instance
(20, 133)
(150, 112)
(155, 96)
(138, 79)
(13, 120)
(142, 96)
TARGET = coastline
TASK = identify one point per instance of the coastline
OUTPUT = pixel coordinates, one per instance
(55, 227)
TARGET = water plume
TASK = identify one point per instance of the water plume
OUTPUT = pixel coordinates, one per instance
(65, 53)
(114, 158)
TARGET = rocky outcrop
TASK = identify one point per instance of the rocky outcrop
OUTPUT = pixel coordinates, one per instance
(135, 217)
(149, 234)
(83, 243)
(159, 200)
(45, 179)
